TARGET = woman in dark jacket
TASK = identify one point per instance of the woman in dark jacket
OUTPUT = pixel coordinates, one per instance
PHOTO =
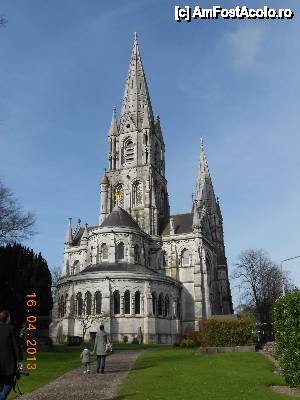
(9, 355)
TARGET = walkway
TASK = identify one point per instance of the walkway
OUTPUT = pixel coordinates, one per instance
(75, 385)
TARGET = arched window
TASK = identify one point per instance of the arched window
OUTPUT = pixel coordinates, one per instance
(88, 303)
(98, 303)
(72, 305)
(79, 304)
(185, 257)
(136, 254)
(154, 308)
(127, 302)
(65, 304)
(116, 302)
(76, 267)
(137, 303)
(167, 306)
(119, 195)
(120, 252)
(129, 151)
(137, 194)
(104, 252)
(178, 308)
(160, 305)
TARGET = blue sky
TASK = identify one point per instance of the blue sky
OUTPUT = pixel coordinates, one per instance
(235, 83)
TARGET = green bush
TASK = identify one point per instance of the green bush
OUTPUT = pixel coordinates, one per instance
(286, 317)
(125, 339)
(224, 331)
(187, 343)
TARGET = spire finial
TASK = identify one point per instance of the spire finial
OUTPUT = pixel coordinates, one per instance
(135, 36)
(201, 144)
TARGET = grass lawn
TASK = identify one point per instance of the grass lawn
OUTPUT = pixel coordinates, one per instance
(177, 374)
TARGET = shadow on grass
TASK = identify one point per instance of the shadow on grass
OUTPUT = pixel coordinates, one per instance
(143, 367)
(123, 396)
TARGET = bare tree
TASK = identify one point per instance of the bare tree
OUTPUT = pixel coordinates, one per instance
(15, 225)
(86, 321)
(55, 276)
(260, 281)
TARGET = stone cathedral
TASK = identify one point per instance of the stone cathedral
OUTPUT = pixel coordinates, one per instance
(151, 275)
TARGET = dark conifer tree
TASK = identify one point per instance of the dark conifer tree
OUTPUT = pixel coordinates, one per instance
(23, 272)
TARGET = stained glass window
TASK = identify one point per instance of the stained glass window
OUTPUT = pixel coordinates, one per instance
(79, 302)
(137, 303)
(104, 252)
(88, 303)
(119, 195)
(120, 251)
(127, 302)
(116, 302)
(98, 301)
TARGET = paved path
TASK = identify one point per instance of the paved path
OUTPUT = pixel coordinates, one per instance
(76, 386)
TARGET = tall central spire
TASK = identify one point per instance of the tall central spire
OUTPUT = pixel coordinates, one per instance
(136, 95)
(204, 187)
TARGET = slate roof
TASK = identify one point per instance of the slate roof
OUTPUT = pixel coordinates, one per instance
(183, 223)
(119, 217)
(106, 267)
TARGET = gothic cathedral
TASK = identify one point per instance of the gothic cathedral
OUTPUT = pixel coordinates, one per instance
(148, 274)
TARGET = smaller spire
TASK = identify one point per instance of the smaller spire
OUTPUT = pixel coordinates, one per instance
(113, 130)
(69, 235)
(203, 178)
(85, 236)
(104, 180)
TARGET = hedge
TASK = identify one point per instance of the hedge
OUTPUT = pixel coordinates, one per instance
(286, 318)
(224, 331)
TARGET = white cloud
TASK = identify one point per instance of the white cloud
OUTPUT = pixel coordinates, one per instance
(245, 44)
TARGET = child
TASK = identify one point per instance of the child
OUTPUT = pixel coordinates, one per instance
(85, 356)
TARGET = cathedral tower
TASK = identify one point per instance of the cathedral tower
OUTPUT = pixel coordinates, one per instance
(135, 179)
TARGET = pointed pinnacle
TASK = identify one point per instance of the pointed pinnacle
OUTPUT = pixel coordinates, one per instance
(69, 235)
(135, 36)
(113, 130)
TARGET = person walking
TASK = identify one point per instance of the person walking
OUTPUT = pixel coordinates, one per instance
(85, 357)
(100, 348)
(9, 355)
